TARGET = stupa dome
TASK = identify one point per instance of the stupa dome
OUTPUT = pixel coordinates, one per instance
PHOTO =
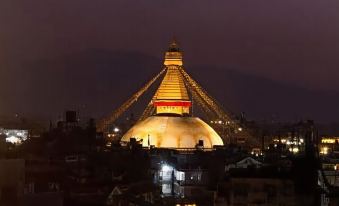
(173, 132)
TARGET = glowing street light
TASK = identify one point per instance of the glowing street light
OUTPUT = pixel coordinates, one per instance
(166, 168)
(13, 140)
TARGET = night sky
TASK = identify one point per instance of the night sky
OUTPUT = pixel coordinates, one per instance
(294, 43)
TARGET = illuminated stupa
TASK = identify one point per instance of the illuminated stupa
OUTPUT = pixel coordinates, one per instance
(172, 126)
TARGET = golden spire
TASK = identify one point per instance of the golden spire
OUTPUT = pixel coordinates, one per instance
(173, 56)
(172, 96)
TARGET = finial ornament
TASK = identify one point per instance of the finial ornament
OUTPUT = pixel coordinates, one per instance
(174, 46)
(173, 56)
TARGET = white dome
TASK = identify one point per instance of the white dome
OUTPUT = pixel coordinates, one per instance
(173, 132)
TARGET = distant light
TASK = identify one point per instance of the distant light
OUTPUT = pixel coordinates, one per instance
(166, 172)
(220, 122)
(295, 150)
(329, 140)
(324, 150)
(240, 129)
(15, 136)
(116, 129)
(13, 140)
(166, 168)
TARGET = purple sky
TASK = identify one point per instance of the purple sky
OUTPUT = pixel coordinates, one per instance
(293, 41)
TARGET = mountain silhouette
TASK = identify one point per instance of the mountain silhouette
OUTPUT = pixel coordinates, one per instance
(97, 81)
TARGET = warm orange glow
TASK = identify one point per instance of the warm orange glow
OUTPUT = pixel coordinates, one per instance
(329, 140)
(173, 56)
(173, 132)
(324, 150)
(168, 130)
(172, 96)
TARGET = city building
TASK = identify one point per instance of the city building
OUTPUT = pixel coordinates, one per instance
(12, 181)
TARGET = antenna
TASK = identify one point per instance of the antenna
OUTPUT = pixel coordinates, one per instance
(192, 100)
